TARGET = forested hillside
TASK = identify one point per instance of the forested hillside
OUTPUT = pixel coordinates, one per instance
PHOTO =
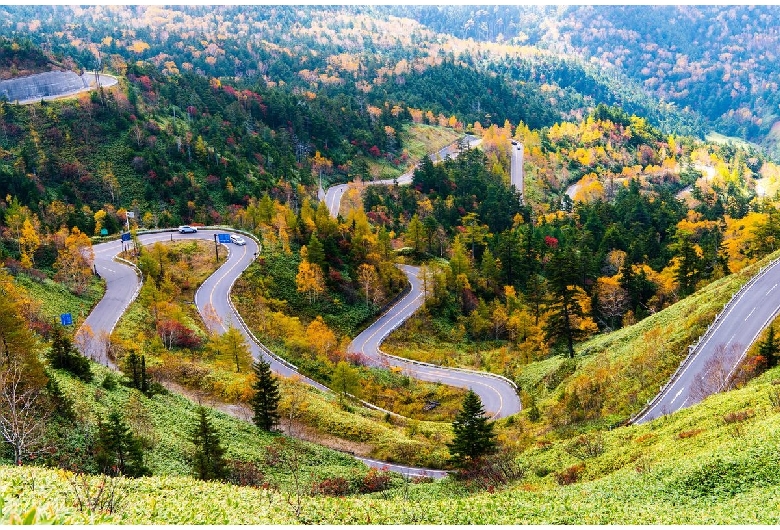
(719, 62)
(581, 290)
(355, 50)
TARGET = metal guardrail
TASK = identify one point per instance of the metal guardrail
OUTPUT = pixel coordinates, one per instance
(455, 369)
(694, 349)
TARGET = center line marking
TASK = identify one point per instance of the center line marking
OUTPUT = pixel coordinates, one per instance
(751, 312)
(676, 396)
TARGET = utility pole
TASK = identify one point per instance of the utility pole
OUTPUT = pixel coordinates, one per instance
(216, 247)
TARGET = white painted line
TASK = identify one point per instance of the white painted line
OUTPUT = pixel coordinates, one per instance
(751, 312)
(676, 396)
(770, 290)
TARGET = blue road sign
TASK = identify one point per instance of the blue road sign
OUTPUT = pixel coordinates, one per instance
(126, 236)
(223, 238)
(66, 319)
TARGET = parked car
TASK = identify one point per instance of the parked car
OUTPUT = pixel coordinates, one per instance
(187, 229)
(237, 240)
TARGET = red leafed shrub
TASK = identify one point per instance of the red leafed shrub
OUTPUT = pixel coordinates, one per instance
(332, 487)
(358, 359)
(375, 480)
(738, 416)
(689, 434)
(246, 474)
(570, 475)
(488, 473)
(551, 241)
(175, 334)
(229, 90)
(374, 151)
(146, 82)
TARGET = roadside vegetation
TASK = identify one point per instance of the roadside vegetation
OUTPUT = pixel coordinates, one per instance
(586, 291)
(710, 464)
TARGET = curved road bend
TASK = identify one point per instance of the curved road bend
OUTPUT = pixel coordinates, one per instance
(334, 194)
(498, 397)
(121, 283)
(719, 354)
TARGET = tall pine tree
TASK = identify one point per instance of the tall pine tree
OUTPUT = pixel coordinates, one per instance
(769, 348)
(473, 433)
(563, 274)
(118, 451)
(208, 461)
(63, 356)
(266, 397)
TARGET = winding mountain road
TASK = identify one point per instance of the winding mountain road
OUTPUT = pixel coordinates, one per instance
(713, 360)
(212, 297)
(334, 194)
(498, 394)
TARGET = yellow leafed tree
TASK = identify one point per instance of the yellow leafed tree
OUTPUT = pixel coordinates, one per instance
(321, 339)
(29, 241)
(74, 261)
(310, 280)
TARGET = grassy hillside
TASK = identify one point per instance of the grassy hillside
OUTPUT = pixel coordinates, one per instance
(165, 423)
(714, 463)
(611, 376)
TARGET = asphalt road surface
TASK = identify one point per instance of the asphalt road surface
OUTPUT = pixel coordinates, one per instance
(498, 396)
(516, 169)
(334, 194)
(212, 298)
(719, 353)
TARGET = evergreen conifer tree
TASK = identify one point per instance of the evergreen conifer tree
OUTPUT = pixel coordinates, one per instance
(144, 388)
(63, 356)
(208, 461)
(473, 434)
(563, 307)
(266, 397)
(770, 348)
(118, 451)
(316, 250)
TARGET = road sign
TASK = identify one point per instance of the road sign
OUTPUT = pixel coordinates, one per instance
(223, 238)
(66, 319)
(126, 236)
(104, 231)
(131, 215)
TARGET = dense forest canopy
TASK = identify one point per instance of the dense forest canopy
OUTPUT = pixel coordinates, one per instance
(242, 116)
(365, 50)
(720, 61)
